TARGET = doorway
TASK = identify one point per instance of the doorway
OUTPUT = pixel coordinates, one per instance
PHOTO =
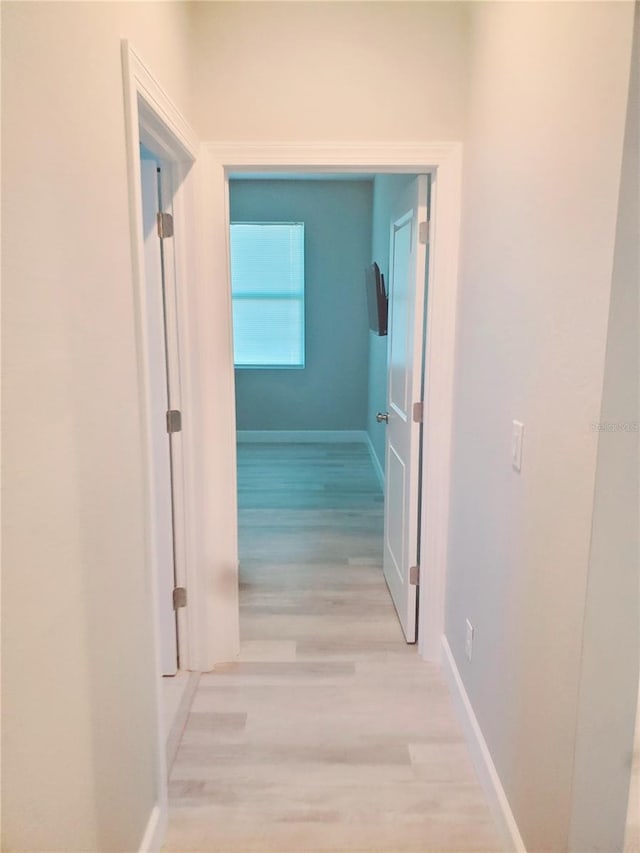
(309, 372)
(309, 500)
(164, 386)
(161, 154)
(443, 163)
(161, 320)
(158, 320)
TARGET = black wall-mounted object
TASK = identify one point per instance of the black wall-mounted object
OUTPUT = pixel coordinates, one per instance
(377, 299)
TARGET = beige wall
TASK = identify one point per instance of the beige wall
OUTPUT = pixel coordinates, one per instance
(547, 106)
(79, 751)
(330, 71)
(610, 651)
(547, 97)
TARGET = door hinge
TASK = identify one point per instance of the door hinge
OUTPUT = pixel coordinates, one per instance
(418, 412)
(414, 575)
(179, 597)
(174, 420)
(423, 233)
(165, 225)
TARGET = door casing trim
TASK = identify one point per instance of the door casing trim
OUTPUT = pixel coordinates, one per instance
(443, 160)
(151, 118)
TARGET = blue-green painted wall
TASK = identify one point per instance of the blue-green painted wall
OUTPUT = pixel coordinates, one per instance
(331, 392)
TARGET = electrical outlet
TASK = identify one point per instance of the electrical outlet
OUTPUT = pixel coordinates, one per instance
(517, 434)
(468, 641)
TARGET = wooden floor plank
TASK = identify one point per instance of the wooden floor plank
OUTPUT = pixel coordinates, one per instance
(330, 734)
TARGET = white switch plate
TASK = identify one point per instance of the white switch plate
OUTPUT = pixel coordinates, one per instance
(516, 445)
(468, 640)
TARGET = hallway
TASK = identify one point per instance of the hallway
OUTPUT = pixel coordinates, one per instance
(330, 733)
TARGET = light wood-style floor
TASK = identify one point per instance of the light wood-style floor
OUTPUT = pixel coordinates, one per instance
(330, 734)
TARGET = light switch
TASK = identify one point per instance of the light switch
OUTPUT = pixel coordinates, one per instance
(516, 445)
(468, 640)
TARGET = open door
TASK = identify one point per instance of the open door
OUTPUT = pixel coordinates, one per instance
(407, 273)
(156, 333)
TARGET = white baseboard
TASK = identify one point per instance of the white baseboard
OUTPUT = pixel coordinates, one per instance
(376, 462)
(302, 436)
(485, 768)
(180, 719)
(155, 832)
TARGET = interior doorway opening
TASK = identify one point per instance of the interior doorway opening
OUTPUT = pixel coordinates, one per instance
(159, 182)
(218, 606)
(161, 153)
(311, 439)
(158, 289)
(167, 470)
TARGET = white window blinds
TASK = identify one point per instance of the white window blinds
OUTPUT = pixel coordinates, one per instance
(267, 283)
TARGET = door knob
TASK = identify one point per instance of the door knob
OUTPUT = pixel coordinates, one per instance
(382, 417)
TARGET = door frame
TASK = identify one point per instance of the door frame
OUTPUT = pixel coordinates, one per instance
(443, 161)
(151, 118)
(410, 206)
(160, 280)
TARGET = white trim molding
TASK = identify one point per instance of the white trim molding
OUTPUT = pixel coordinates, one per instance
(485, 768)
(152, 118)
(179, 721)
(320, 157)
(443, 161)
(155, 831)
(163, 114)
(440, 349)
(375, 461)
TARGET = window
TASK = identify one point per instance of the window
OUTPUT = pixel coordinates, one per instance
(267, 284)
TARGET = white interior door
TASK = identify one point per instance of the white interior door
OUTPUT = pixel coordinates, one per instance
(162, 510)
(407, 271)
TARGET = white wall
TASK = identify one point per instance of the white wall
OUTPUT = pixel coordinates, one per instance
(610, 652)
(548, 91)
(330, 71)
(79, 745)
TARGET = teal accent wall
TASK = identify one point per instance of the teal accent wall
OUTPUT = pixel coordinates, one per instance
(385, 189)
(331, 392)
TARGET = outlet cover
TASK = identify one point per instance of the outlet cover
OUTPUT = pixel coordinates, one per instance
(517, 435)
